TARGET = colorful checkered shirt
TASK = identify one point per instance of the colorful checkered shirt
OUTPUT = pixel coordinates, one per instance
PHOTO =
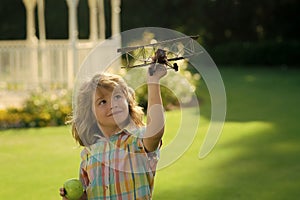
(118, 168)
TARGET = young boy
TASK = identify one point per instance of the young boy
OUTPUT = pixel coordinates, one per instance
(120, 153)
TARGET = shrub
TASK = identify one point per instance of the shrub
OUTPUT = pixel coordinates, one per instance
(40, 109)
(177, 88)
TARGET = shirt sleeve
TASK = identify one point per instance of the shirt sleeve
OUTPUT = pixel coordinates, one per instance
(152, 157)
(83, 176)
(141, 146)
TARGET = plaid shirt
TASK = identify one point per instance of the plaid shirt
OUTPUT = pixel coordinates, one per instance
(118, 168)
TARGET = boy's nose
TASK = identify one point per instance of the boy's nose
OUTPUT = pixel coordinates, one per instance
(113, 104)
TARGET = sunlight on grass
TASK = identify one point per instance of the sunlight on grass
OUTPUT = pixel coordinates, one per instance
(189, 175)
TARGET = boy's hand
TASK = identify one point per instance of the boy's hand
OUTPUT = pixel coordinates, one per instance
(62, 193)
(155, 72)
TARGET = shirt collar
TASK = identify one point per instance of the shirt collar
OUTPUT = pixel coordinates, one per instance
(131, 129)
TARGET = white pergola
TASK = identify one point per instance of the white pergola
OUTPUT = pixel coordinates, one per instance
(97, 28)
(96, 7)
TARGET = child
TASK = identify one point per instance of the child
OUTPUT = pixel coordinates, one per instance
(120, 153)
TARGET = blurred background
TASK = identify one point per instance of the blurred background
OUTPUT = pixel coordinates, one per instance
(255, 45)
(268, 28)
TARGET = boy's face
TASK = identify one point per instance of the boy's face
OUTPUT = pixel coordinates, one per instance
(111, 109)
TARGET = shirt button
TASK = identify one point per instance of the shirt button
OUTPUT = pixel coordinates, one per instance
(106, 187)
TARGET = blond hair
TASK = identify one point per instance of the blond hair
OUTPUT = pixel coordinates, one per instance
(85, 129)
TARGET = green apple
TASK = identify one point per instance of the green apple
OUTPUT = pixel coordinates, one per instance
(73, 189)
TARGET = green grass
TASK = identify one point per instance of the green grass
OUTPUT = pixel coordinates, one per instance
(257, 156)
(35, 162)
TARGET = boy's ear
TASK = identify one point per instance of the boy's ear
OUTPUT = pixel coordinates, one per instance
(129, 106)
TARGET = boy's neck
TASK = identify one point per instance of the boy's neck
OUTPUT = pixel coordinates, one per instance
(110, 132)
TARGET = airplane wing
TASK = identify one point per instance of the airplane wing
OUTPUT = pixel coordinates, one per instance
(176, 49)
(162, 43)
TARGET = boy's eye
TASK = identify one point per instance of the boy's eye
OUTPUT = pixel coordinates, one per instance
(102, 102)
(118, 96)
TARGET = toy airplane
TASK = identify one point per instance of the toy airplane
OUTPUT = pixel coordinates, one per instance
(164, 52)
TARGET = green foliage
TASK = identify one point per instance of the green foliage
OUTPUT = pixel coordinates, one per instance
(169, 98)
(250, 53)
(177, 88)
(39, 110)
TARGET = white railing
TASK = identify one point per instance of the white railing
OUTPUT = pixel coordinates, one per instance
(26, 65)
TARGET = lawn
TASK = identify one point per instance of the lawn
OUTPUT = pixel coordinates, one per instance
(256, 157)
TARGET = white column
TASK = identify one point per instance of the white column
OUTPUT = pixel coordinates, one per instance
(32, 46)
(73, 32)
(101, 19)
(30, 25)
(115, 28)
(43, 64)
(115, 16)
(73, 37)
(41, 20)
(93, 20)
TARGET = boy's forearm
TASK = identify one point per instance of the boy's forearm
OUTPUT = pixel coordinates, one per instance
(154, 95)
(155, 113)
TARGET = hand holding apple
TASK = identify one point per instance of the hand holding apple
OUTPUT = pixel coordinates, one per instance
(73, 189)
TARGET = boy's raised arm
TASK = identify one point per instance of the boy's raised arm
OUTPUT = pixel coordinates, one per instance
(155, 110)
